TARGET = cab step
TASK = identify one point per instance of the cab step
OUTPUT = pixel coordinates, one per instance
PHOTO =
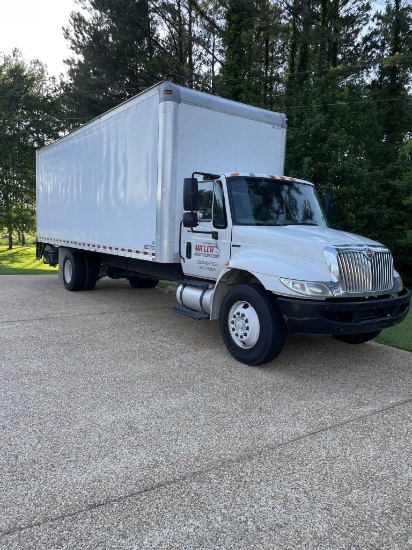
(196, 315)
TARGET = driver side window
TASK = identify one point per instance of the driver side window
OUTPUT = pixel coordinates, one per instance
(212, 203)
(205, 200)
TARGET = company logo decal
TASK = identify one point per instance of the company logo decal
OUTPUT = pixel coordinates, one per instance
(207, 250)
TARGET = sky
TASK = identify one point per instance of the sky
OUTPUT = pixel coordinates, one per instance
(35, 28)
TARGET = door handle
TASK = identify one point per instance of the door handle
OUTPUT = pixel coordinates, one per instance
(188, 250)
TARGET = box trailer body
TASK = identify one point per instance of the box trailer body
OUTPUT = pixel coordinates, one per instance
(182, 185)
(115, 185)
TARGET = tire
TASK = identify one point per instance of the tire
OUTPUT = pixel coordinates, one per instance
(90, 272)
(74, 271)
(251, 324)
(141, 282)
(357, 338)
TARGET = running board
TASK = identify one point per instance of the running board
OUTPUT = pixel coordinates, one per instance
(196, 315)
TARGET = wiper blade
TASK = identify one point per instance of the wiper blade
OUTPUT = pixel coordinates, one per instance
(301, 223)
(267, 224)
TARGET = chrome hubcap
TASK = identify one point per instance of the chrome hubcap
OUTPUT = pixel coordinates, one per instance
(244, 326)
(68, 271)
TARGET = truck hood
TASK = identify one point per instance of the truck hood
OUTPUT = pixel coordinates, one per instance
(301, 240)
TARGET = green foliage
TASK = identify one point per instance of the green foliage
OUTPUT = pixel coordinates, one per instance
(239, 74)
(253, 52)
(115, 56)
(122, 47)
(27, 121)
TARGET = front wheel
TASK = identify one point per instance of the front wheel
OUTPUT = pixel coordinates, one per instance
(357, 338)
(252, 327)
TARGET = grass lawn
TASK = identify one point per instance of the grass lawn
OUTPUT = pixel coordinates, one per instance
(21, 260)
(399, 336)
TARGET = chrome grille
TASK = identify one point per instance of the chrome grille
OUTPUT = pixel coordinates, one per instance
(358, 273)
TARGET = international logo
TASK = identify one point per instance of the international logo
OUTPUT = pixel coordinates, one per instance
(368, 253)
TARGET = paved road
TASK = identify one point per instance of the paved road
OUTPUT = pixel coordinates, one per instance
(123, 425)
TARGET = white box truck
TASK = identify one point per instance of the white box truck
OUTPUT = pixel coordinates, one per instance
(180, 185)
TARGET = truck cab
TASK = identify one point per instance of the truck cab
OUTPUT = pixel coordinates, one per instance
(267, 258)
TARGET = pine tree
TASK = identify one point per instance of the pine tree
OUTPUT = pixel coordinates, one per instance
(325, 37)
(252, 54)
(116, 55)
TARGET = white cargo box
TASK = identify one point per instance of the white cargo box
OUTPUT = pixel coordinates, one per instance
(115, 185)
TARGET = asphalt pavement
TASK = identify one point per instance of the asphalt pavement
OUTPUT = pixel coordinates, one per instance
(125, 425)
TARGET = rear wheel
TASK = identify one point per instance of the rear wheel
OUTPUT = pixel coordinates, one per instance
(357, 338)
(141, 282)
(91, 267)
(74, 271)
(252, 327)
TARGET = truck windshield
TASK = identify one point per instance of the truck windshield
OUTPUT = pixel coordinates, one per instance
(258, 201)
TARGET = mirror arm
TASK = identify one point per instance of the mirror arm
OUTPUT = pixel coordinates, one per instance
(215, 234)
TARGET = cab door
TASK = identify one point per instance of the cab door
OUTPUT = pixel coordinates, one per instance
(206, 250)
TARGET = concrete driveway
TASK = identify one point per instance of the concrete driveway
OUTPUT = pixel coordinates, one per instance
(124, 425)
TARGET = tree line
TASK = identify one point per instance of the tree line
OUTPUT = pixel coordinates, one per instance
(341, 70)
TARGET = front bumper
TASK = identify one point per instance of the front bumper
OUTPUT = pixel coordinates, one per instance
(341, 316)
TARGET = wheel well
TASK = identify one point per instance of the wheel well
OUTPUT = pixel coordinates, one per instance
(231, 277)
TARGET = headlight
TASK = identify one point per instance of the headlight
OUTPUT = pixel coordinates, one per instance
(399, 283)
(307, 288)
